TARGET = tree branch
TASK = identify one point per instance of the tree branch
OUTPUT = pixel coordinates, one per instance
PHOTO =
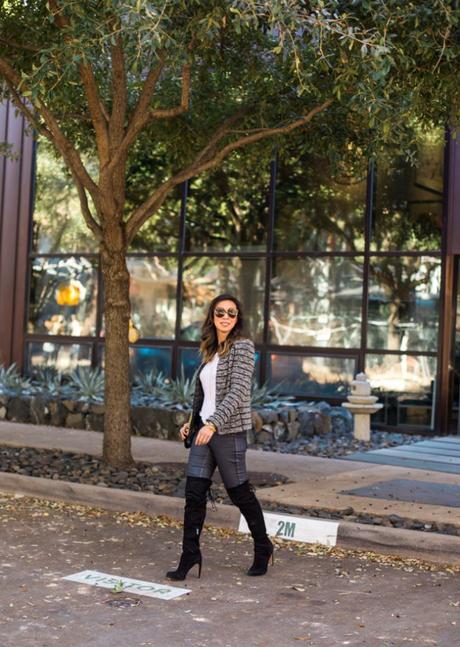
(16, 45)
(119, 94)
(140, 116)
(97, 110)
(85, 210)
(52, 131)
(203, 162)
(185, 98)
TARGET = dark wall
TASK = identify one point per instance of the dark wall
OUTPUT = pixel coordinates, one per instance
(15, 209)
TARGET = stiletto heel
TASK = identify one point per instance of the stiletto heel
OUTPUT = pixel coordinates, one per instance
(185, 564)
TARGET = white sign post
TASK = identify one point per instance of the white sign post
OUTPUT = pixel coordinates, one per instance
(127, 585)
(310, 531)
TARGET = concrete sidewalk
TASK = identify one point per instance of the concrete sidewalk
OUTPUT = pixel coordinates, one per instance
(416, 495)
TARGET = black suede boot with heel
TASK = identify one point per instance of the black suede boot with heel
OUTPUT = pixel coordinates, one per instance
(196, 492)
(244, 498)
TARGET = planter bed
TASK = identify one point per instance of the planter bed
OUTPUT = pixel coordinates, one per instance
(168, 479)
(314, 428)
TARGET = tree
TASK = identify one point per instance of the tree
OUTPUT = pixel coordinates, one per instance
(198, 80)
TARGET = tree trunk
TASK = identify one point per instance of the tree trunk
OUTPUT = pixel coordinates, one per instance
(117, 428)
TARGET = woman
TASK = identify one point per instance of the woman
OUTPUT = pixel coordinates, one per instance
(220, 419)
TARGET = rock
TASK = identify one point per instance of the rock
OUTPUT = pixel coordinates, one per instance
(306, 419)
(58, 413)
(75, 421)
(264, 436)
(180, 417)
(251, 437)
(292, 430)
(280, 432)
(341, 421)
(94, 422)
(284, 416)
(39, 410)
(324, 407)
(321, 423)
(257, 421)
(98, 409)
(268, 415)
(70, 405)
(2, 413)
(18, 410)
(82, 406)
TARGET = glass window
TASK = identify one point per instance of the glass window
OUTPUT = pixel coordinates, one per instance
(305, 375)
(405, 384)
(58, 223)
(205, 278)
(147, 358)
(64, 357)
(316, 209)
(316, 302)
(189, 361)
(153, 295)
(404, 303)
(409, 199)
(63, 296)
(227, 209)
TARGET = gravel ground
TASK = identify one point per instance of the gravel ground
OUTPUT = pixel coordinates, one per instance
(333, 444)
(169, 479)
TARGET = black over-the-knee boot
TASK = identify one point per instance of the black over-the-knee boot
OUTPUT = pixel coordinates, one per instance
(243, 496)
(196, 492)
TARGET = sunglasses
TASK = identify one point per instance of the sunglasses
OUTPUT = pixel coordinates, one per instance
(221, 312)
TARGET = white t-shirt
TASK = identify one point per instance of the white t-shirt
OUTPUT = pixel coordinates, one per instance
(208, 382)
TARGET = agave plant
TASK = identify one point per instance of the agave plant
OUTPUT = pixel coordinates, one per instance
(88, 383)
(151, 384)
(48, 378)
(178, 392)
(264, 395)
(11, 380)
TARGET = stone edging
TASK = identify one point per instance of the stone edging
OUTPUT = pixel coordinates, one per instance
(433, 547)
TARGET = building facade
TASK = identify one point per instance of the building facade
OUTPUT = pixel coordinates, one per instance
(338, 271)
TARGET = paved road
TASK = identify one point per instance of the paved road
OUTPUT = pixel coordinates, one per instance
(313, 597)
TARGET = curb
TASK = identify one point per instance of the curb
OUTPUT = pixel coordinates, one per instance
(432, 547)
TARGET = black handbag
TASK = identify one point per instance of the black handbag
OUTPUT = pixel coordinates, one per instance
(188, 440)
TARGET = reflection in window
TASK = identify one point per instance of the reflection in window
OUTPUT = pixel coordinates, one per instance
(64, 357)
(153, 295)
(409, 199)
(63, 296)
(311, 376)
(147, 358)
(404, 303)
(227, 209)
(316, 302)
(205, 278)
(405, 385)
(317, 210)
(58, 223)
(189, 361)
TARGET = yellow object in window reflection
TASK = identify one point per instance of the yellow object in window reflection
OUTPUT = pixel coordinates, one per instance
(70, 294)
(133, 333)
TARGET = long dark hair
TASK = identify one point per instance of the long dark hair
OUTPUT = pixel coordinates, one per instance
(209, 343)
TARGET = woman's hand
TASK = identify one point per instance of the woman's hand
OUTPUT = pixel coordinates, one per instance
(184, 431)
(204, 435)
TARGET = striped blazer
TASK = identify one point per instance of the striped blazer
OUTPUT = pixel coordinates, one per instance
(233, 390)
